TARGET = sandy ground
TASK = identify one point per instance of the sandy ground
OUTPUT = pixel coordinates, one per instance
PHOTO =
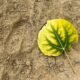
(20, 22)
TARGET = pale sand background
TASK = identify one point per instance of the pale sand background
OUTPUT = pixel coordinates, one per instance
(20, 22)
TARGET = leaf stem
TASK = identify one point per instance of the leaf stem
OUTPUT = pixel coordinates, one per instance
(69, 61)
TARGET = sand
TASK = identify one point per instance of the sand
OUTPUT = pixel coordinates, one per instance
(20, 57)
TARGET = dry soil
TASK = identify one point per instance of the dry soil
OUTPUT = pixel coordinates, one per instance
(20, 57)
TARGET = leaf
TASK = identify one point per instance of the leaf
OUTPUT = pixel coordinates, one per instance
(56, 36)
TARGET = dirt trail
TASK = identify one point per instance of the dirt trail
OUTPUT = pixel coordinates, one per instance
(20, 22)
